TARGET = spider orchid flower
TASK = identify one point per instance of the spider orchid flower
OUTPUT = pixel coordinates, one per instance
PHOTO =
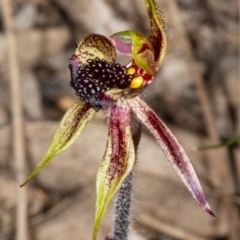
(101, 83)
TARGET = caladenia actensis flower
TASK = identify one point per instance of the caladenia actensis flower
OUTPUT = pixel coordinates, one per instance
(103, 84)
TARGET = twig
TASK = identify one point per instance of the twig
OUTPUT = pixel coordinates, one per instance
(223, 171)
(227, 143)
(17, 123)
(41, 218)
(168, 229)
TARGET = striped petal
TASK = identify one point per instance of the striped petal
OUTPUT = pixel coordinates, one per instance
(172, 149)
(95, 46)
(73, 123)
(117, 162)
(158, 31)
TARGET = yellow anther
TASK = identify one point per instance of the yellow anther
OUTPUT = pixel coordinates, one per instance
(131, 71)
(136, 82)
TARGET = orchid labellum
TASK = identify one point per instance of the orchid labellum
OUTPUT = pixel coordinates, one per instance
(101, 83)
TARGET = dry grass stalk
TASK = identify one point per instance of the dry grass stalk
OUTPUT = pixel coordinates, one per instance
(17, 123)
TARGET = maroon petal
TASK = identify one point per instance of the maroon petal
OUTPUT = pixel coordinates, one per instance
(158, 31)
(172, 149)
(117, 162)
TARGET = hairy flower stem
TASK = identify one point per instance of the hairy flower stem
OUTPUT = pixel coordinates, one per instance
(123, 198)
(122, 210)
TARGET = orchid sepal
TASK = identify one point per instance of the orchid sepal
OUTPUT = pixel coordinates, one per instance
(118, 160)
(158, 30)
(172, 149)
(73, 123)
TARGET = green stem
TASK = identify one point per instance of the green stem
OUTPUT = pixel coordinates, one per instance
(227, 143)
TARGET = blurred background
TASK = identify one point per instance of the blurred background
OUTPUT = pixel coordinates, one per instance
(196, 93)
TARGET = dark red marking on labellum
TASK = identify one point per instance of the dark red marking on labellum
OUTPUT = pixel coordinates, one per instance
(91, 80)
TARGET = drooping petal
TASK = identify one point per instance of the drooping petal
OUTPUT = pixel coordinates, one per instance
(158, 31)
(138, 46)
(172, 149)
(117, 162)
(95, 46)
(73, 123)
